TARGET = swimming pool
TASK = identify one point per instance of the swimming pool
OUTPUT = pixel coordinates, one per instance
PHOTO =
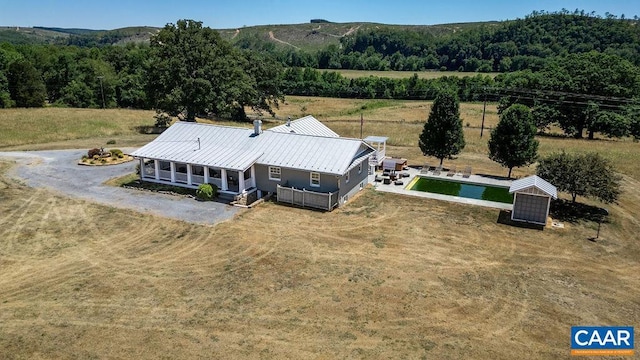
(470, 191)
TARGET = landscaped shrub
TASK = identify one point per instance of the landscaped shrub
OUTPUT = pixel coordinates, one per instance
(206, 192)
(111, 142)
(93, 153)
(117, 153)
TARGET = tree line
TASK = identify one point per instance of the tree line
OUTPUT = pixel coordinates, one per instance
(521, 44)
(188, 70)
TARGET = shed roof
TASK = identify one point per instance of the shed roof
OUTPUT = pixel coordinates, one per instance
(376, 139)
(238, 148)
(534, 181)
(307, 125)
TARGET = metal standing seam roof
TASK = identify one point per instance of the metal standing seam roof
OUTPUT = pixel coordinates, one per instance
(307, 125)
(237, 148)
(534, 181)
(375, 139)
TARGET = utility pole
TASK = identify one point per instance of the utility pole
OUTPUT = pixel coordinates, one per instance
(101, 90)
(484, 109)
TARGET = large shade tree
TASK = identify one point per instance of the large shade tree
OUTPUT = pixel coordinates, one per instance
(442, 136)
(587, 174)
(194, 72)
(512, 143)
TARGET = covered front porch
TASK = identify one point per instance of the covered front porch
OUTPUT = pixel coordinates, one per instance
(229, 182)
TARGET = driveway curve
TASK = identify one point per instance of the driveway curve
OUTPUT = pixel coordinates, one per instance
(59, 170)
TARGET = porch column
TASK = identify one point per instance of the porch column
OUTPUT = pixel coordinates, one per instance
(173, 172)
(240, 181)
(206, 174)
(141, 168)
(156, 165)
(223, 177)
(253, 176)
(188, 174)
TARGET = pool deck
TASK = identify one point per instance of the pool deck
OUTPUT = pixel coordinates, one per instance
(473, 179)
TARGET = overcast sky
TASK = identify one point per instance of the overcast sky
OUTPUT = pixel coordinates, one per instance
(221, 14)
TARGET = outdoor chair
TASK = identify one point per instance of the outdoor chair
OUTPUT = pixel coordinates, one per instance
(438, 170)
(452, 171)
(425, 169)
(467, 172)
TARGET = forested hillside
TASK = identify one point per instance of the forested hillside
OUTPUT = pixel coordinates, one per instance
(507, 46)
(577, 70)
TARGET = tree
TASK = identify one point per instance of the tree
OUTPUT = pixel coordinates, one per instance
(591, 75)
(512, 143)
(442, 135)
(25, 84)
(587, 174)
(194, 72)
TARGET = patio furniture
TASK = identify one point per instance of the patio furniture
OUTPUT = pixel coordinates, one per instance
(398, 182)
(425, 169)
(387, 181)
(452, 171)
(404, 175)
(438, 170)
(467, 172)
(378, 178)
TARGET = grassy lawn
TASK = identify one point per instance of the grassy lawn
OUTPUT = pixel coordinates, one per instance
(385, 276)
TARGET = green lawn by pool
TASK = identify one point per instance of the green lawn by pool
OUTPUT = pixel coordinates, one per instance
(470, 191)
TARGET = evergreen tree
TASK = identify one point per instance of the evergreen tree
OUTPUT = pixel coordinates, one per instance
(442, 135)
(512, 143)
(25, 84)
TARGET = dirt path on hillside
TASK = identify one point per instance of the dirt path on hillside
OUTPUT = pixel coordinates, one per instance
(235, 34)
(272, 37)
(351, 31)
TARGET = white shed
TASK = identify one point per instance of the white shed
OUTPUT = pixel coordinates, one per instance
(532, 199)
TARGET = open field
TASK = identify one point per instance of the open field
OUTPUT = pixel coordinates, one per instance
(354, 74)
(384, 277)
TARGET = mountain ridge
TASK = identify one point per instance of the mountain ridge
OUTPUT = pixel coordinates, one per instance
(305, 36)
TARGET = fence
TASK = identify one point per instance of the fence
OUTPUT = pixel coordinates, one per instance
(305, 198)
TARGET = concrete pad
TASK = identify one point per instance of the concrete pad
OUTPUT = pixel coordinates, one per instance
(414, 174)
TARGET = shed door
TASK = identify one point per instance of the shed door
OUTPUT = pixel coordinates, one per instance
(530, 208)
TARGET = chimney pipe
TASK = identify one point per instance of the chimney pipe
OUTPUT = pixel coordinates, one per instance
(288, 120)
(257, 127)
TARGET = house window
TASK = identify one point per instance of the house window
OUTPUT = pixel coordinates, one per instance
(165, 165)
(214, 173)
(275, 173)
(360, 168)
(247, 174)
(315, 179)
(346, 177)
(181, 168)
(197, 170)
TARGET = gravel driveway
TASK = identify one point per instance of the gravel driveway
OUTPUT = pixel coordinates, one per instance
(59, 170)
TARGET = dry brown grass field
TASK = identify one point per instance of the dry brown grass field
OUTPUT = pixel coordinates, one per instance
(385, 276)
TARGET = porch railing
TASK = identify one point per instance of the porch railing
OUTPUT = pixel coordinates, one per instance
(306, 198)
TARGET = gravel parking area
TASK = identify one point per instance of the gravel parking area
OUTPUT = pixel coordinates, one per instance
(59, 170)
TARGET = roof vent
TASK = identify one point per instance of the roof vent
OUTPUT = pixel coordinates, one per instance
(288, 120)
(257, 127)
